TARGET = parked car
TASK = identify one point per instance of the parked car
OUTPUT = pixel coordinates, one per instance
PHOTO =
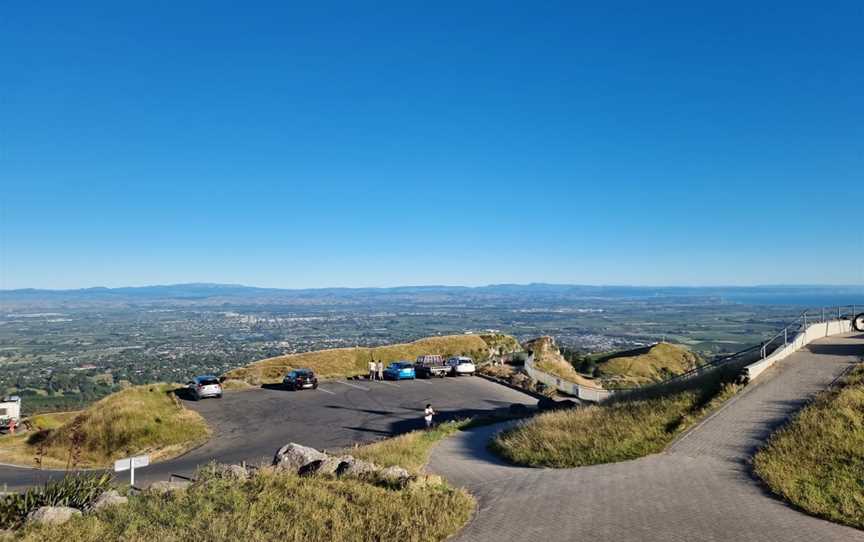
(400, 370)
(429, 366)
(300, 379)
(205, 386)
(461, 366)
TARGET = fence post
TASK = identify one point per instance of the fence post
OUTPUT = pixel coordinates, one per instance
(785, 336)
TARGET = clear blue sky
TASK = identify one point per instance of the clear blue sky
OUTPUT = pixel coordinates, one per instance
(438, 142)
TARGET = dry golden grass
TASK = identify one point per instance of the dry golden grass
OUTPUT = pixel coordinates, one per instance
(548, 359)
(645, 365)
(614, 431)
(276, 506)
(817, 460)
(15, 450)
(142, 419)
(411, 450)
(341, 362)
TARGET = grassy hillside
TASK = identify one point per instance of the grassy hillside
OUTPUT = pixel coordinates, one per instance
(644, 365)
(143, 419)
(617, 430)
(273, 505)
(816, 461)
(354, 361)
(548, 359)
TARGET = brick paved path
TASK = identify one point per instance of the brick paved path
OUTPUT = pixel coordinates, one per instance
(700, 489)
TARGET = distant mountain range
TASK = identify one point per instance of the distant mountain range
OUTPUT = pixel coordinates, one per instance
(215, 294)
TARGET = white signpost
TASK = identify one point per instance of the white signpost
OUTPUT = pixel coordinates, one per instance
(130, 464)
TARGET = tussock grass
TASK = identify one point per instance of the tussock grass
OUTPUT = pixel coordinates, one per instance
(141, 419)
(411, 450)
(629, 427)
(816, 461)
(343, 362)
(275, 506)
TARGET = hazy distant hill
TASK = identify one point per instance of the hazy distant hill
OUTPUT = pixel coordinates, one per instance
(216, 294)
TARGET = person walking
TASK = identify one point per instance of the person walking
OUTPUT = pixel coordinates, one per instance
(380, 370)
(427, 416)
(372, 370)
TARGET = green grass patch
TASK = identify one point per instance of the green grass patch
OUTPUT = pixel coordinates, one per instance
(275, 506)
(409, 451)
(626, 428)
(816, 461)
(142, 419)
(644, 365)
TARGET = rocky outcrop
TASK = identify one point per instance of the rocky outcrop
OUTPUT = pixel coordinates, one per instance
(306, 461)
(293, 457)
(52, 515)
(109, 498)
(396, 476)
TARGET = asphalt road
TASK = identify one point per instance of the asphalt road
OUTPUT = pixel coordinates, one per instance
(251, 425)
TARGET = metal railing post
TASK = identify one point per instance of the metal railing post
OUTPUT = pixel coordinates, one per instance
(823, 314)
(785, 336)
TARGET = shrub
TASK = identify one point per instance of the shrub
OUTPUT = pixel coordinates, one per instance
(75, 491)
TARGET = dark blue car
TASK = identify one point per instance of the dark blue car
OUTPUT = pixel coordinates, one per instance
(400, 370)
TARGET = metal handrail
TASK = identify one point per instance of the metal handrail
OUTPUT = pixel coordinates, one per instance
(801, 322)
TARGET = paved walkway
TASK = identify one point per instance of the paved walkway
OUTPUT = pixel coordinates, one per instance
(700, 489)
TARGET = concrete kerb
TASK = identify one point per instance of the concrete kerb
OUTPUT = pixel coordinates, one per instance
(813, 332)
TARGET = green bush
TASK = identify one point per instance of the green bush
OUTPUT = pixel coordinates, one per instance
(76, 491)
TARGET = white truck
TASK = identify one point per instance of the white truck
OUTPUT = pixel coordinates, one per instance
(10, 412)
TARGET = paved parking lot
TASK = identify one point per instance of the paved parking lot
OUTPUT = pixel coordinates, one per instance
(251, 425)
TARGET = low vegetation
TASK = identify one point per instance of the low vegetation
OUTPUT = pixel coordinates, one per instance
(644, 365)
(141, 419)
(273, 505)
(626, 428)
(346, 362)
(409, 451)
(75, 491)
(815, 462)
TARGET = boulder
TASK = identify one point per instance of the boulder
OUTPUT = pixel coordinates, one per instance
(395, 475)
(293, 457)
(109, 498)
(356, 468)
(169, 487)
(52, 515)
(233, 472)
(325, 467)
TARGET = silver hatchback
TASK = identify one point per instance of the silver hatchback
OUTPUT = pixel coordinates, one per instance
(205, 386)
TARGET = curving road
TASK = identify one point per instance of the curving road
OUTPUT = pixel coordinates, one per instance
(700, 489)
(251, 425)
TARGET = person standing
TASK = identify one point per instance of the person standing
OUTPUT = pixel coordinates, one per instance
(428, 413)
(380, 370)
(372, 370)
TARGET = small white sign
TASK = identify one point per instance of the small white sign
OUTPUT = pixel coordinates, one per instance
(130, 464)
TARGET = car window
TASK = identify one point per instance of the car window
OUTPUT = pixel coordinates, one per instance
(209, 381)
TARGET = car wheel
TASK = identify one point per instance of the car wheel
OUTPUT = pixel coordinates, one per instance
(219, 396)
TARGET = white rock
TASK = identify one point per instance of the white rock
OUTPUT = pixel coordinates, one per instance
(109, 498)
(52, 515)
(293, 457)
